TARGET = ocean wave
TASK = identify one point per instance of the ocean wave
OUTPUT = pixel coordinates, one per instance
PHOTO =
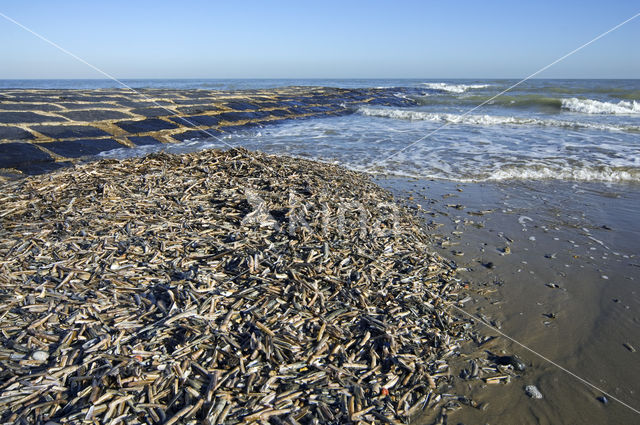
(589, 106)
(488, 120)
(622, 175)
(454, 88)
(539, 102)
(585, 174)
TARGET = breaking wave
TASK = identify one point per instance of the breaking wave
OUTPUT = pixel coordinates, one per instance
(510, 173)
(589, 106)
(586, 174)
(487, 120)
(454, 88)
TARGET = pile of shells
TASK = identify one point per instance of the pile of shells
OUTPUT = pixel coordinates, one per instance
(217, 287)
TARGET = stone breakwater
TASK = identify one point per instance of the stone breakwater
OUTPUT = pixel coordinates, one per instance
(42, 130)
(153, 291)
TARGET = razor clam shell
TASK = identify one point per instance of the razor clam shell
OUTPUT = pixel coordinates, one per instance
(149, 298)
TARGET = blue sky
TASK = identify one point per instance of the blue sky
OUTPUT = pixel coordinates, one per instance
(319, 39)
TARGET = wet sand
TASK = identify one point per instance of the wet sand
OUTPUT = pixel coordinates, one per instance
(566, 287)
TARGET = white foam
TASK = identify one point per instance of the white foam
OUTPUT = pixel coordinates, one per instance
(589, 106)
(454, 88)
(523, 219)
(586, 174)
(406, 114)
(186, 146)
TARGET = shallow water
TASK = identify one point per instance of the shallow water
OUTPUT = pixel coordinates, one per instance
(584, 130)
(561, 129)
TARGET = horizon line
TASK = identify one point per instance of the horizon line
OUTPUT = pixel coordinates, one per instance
(320, 78)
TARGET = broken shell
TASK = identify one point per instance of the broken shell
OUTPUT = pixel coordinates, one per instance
(533, 392)
(40, 356)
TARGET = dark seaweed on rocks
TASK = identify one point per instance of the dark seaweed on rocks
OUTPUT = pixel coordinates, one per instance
(161, 290)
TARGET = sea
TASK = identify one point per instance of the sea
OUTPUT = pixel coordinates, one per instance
(458, 130)
(548, 168)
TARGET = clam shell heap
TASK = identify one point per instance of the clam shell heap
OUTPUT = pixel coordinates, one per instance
(217, 287)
